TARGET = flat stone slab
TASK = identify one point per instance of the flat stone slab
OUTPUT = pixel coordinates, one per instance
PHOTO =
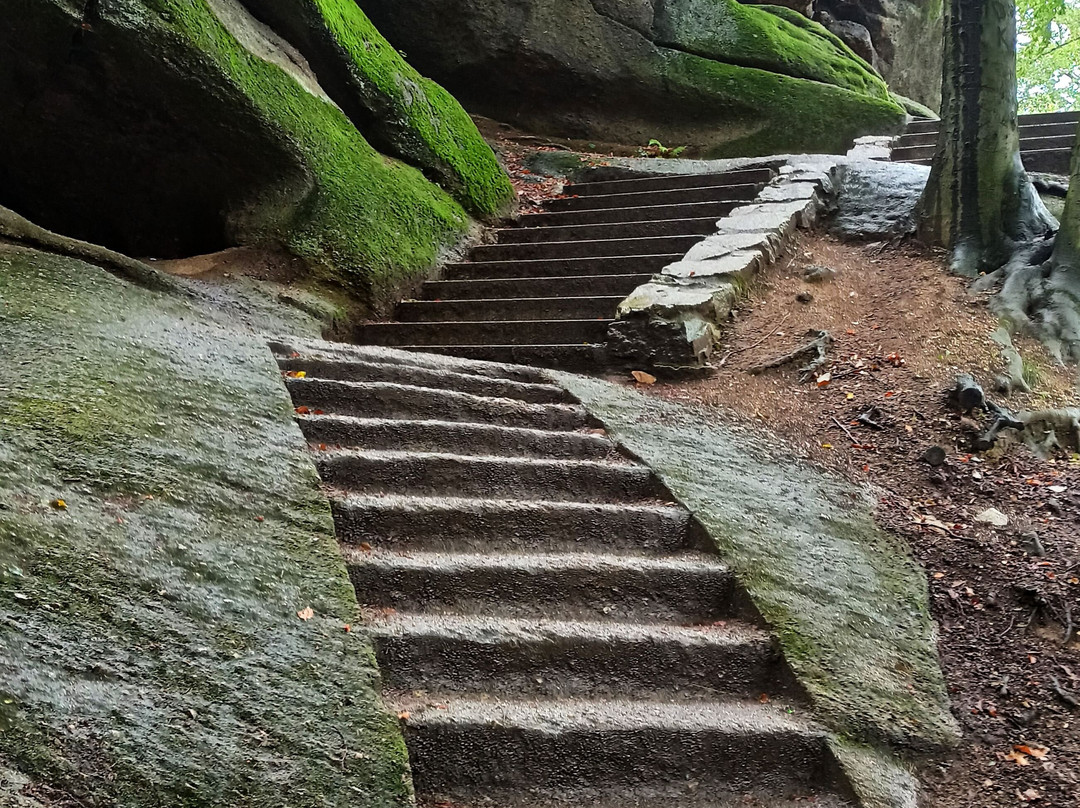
(742, 263)
(726, 243)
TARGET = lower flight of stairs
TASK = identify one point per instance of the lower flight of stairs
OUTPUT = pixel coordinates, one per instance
(546, 625)
(545, 292)
(1046, 141)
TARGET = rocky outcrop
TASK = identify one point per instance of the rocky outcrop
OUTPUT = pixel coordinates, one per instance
(728, 78)
(171, 128)
(906, 35)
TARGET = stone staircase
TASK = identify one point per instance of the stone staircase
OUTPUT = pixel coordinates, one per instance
(1046, 141)
(545, 292)
(550, 627)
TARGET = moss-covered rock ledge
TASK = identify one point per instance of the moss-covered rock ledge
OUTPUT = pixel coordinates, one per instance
(160, 528)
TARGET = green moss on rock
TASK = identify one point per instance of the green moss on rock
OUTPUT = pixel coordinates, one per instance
(150, 650)
(400, 110)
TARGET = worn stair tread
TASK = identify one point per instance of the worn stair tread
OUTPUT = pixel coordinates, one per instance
(484, 332)
(500, 309)
(638, 198)
(457, 436)
(743, 176)
(687, 561)
(413, 402)
(531, 288)
(590, 716)
(593, 231)
(358, 370)
(559, 267)
(488, 630)
(643, 213)
(467, 475)
(492, 523)
(587, 248)
(285, 348)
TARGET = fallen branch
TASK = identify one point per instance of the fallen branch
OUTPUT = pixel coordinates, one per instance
(1063, 694)
(816, 349)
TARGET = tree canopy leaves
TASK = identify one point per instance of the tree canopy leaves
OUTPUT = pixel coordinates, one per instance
(1048, 55)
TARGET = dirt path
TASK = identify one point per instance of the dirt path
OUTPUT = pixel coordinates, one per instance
(903, 329)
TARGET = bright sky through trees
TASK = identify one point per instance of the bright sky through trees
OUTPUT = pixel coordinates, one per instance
(1048, 55)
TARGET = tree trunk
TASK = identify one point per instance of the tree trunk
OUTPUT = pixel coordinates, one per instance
(1067, 243)
(978, 202)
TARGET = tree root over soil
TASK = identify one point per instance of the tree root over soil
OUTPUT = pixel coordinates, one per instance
(1040, 297)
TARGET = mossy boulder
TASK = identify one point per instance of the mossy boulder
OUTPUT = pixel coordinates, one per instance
(167, 128)
(730, 79)
(161, 525)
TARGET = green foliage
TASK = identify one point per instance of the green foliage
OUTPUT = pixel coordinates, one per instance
(1048, 55)
(658, 149)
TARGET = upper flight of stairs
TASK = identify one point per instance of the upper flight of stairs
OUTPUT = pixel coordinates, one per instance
(1046, 141)
(545, 292)
(546, 623)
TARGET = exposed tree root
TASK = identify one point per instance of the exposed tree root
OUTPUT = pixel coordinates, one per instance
(1039, 297)
(20, 230)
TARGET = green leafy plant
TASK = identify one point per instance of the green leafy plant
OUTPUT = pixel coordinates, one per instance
(658, 149)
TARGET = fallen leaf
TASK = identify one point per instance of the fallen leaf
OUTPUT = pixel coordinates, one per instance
(306, 614)
(59, 504)
(826, 446)
(1033, 751)
(348, 628)
(404, 715)
(850, 396)
(824, 379)
(764, 698)
(1019, 758)
(1030, 795)
(365, 547)
(302, 410)
(296, 374)
(641, 377)
(260, 518)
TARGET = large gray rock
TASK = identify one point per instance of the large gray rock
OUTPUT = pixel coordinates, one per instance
(731, 79)
(875, 199)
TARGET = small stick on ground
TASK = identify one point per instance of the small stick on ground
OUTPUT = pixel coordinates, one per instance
(1070, 629)
(846, 431)
(816, 349)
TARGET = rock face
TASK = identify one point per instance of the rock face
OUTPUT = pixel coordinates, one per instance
(167, 128)
(906, 37)
(732, 79)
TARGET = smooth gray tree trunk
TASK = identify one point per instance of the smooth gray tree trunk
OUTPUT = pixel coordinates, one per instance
(978, 202)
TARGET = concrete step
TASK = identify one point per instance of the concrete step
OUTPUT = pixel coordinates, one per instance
(545, 658)
(1029, 145)
(487, 332)
(294, 348)
(411, 402)
(672, 182)
(1024, 121)
(581, 358)
(1052, 161)
(570, 286)
(550, 308)
(359, 370)
(637, 199)
(562, 267)
(452, 475)
(479, 745)
(389, 434)
(583, 232)
(599, 248)
(649, 213)
(480, 525)
(1066, 129)
(693, 588)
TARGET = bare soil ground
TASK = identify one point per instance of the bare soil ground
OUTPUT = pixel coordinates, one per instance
(1008, 615)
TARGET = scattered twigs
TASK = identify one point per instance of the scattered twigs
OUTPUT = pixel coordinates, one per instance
(854, 441)
(867, 418)
(735, 351)
(816, 350)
